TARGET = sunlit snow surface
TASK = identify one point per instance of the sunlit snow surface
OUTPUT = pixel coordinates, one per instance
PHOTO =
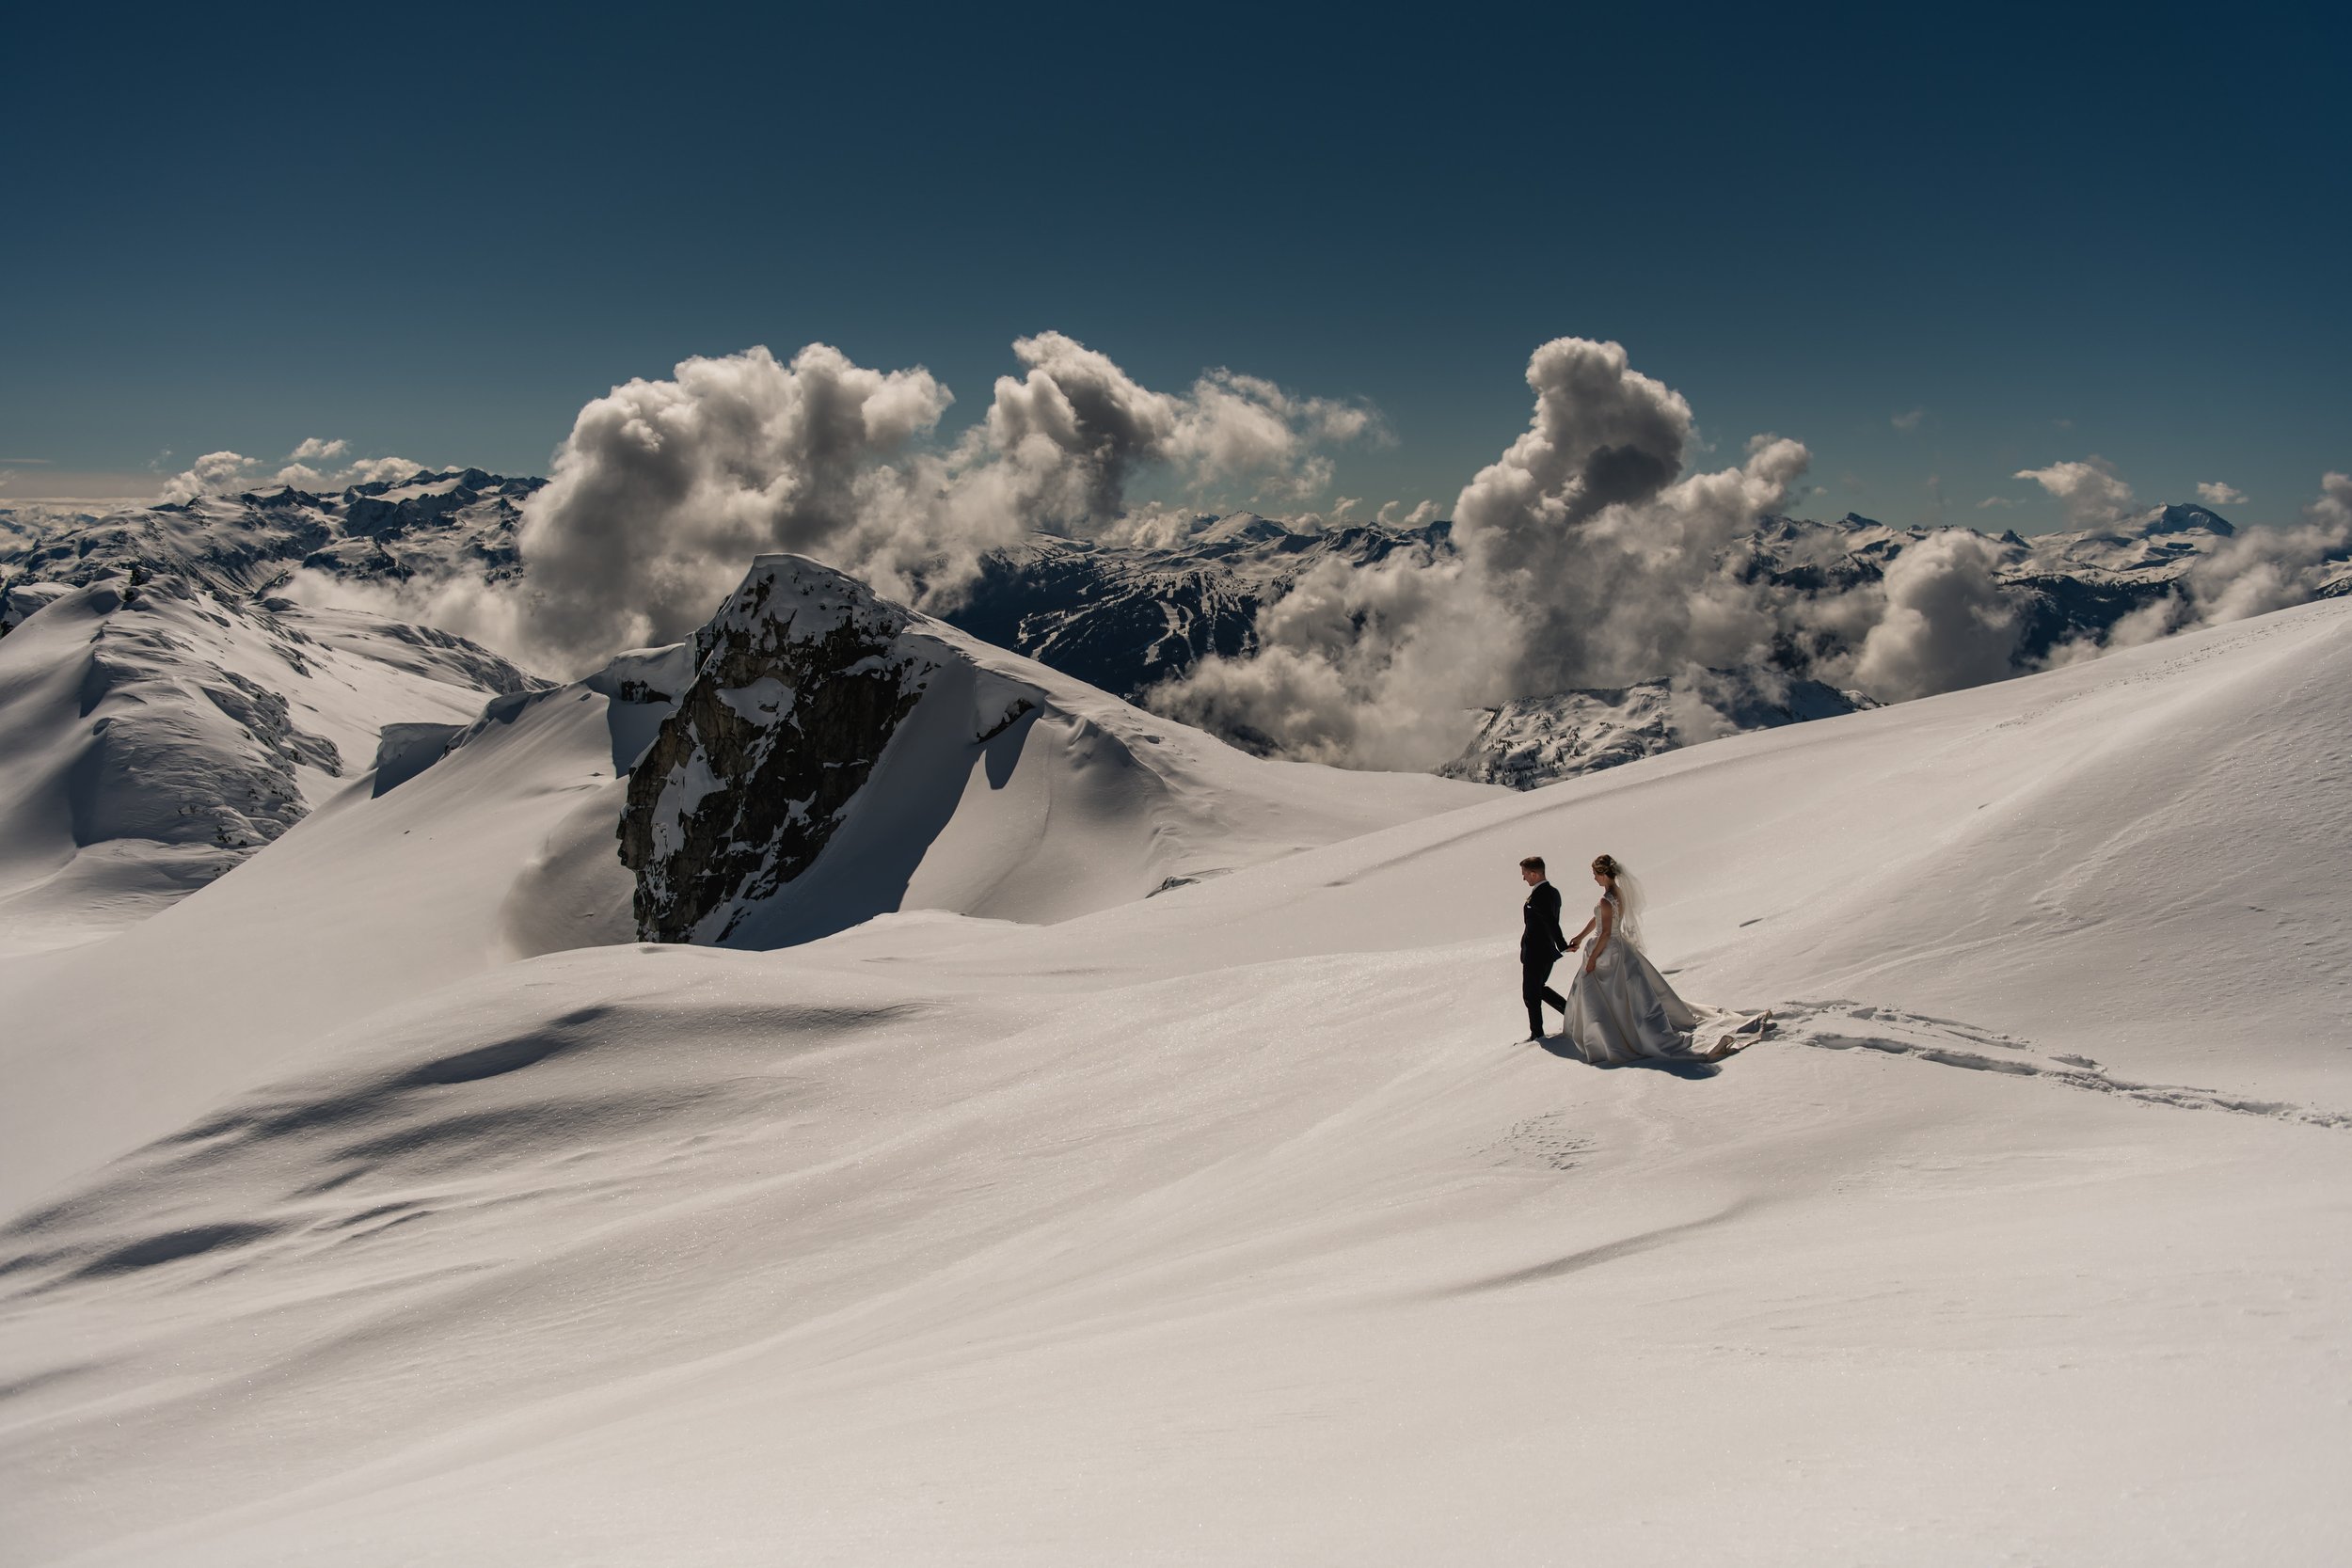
(1232, 1223)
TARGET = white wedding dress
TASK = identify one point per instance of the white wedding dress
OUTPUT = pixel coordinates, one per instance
(1623, 1010)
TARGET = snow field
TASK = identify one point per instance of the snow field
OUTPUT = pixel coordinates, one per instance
(1228, 1224)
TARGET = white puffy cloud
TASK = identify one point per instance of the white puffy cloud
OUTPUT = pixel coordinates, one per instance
(1587, 559)
(1945, 622)
(1583, 558)
(665, 489)
(2213, 493)
(1075, 429)
(214, 473)
(372, 470)
(2090, 490)
(1394, 515)
(225, 473)
(1909, 418)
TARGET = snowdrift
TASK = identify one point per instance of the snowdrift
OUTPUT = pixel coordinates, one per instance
(1231, 1224)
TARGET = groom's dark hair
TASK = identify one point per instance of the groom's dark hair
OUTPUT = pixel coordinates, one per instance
(1533, 862)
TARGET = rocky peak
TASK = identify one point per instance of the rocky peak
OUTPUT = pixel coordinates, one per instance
(2179, 518)
(800, 682)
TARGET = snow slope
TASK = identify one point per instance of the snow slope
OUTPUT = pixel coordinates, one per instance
(838, 756)
(1230, 1225)
(487, 843)
(153, 732)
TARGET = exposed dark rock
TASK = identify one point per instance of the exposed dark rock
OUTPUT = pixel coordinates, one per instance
(799, 684)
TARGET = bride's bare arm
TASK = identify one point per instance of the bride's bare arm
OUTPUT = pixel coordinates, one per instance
(1606, 918)
(1580, 936)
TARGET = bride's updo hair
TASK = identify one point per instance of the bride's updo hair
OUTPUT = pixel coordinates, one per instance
(1625, 891)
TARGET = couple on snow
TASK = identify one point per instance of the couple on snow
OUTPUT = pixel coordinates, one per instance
(1619, 1008)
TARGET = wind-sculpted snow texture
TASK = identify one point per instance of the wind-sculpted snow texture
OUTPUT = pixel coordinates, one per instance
(799, 684)
(1230, 1222)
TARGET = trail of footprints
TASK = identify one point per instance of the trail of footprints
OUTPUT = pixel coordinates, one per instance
(1545, 1142)
(1838, 1025)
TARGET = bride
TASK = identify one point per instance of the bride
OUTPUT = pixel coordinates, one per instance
(1621, 1009)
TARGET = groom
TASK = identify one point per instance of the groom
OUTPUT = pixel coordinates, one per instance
(1540, 945)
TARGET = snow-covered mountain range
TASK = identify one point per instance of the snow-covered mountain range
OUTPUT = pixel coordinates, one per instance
(460, 522)
(154, 731)
(1126, 617)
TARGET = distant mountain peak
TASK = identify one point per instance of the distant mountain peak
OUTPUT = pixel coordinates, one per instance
(2183, 517)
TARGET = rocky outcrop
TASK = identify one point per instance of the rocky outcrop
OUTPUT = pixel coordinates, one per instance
(800, 682)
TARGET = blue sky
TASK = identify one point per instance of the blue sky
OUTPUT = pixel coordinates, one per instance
(2110, 231)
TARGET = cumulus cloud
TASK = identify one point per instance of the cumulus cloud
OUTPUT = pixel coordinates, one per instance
(1394, 515)
(1362, 667)
(1945, 622)
(2093, 493)
(665, 489)
(226, 473)
(1909, 418)
(1582, 557)
(375, 470)
(1585, 557)
(2213, 493)
(1075, 429)
(214, 473)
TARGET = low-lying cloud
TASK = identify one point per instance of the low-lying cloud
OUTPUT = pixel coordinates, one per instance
(2253, 572)
(1586, 559)
(1582, 557)
(665, 489)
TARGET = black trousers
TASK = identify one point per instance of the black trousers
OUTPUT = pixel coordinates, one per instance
(1533, 973)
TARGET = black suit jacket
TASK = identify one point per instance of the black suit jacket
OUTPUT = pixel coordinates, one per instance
(1541, 940)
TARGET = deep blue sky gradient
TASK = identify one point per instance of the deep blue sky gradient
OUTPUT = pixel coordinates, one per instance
(439, 231)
